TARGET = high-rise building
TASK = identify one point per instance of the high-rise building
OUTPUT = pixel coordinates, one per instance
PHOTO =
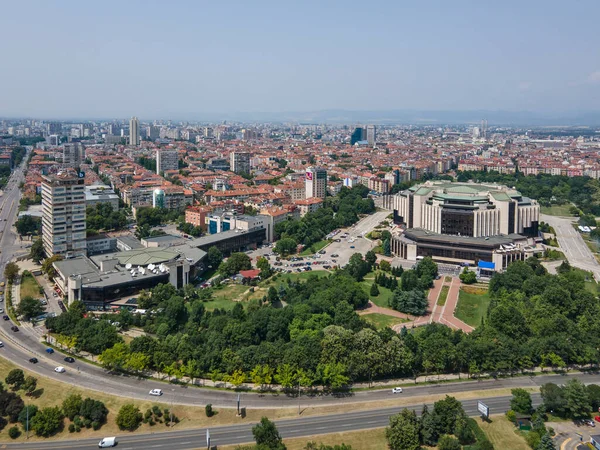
(152, 132)
(315, 182)
(134, 131)
(166, 160)
(73, 154)
(239, 162)
(63, 214)
(359, 134)
(53, 128)
(371, 135)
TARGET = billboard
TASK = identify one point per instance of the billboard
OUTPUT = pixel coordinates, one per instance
(309, 176)
(483, 409)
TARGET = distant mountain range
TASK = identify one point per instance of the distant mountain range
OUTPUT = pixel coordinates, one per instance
(414, 117)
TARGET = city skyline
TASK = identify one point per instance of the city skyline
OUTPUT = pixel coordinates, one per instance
(192, 60)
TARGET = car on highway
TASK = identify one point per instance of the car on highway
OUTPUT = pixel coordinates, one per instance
(59, 369)
(107, 442)
(14, 328)
(1, 344)
(33, 360)
(1, 310)
(69, 359)
(397, 390)
(156, 392)
(352, 246)
(49, 350)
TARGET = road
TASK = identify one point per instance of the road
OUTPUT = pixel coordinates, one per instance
(572, 244)
(242, 433)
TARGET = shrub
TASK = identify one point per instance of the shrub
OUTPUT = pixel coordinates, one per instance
(77, 428)
(14, 432)
(209, 410)
(129, 417)
(87, 423)
(156, 411)
(147, 415)
(447, 442)
(511, 416)
(96, 425)
(72, 428)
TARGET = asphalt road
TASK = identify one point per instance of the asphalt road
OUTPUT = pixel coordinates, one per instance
(242, 433)
(572, 244)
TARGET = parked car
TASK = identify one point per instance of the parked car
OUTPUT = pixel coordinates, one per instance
(33, 360)
(156, 392)
(14, 328)
(69, 359)
(352, 246)
(397, 390)
(49, 350)
(5, 317)
(59, 369)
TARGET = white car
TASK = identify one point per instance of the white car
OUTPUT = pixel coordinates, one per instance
(157, 392)
(1, 344)
(397, 390)
(59, 369)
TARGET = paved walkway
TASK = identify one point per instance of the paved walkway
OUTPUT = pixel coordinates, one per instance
(372, 308)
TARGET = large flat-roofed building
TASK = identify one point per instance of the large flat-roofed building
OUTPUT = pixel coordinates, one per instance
(97, 194)
(469, 223)
(231, 241)
(166, 160)
(63, 214)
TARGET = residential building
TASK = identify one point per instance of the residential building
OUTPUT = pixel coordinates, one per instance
(239, 162)
(309, 205)
(371, 135)
(166, 160)
(134, 131)
(196, 215)
(315, 182)
(101, 193)
(73, 154)
(63, 214)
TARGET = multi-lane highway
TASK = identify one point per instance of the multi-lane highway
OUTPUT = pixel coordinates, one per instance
(242, 433)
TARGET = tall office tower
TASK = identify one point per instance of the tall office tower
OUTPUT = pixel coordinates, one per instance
(484, 126)
(73, 154)
(359, 134)
(315, 182)
(239, 162)
(63, 214)
(153, 132)
(371, 135)
(53, 128)
(134, 131)
(166, 160)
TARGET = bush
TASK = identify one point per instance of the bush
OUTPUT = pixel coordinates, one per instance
(96, 425)
(72, 428)
(156, 411)
(14, 432)
(209, 411)
(485, 445)
(77, 428)
(511, 416)
(87, 423)
(129, 417)
(47, 421)
(147, 415)
(448, 443)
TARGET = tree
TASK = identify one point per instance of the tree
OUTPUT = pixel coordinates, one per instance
(36, 253)
(371, 258)
(593, 391)
(129, 417)
(15, 379)
(114, 358)
(235, 263)
(11, 271)
(47, 421)
(447, 442)
(28, 225)
(30, 385)
(576, 398)
(385, 265)
(93, 410)
(137, 362)
(357, 267)
(28, 412)
(214, 257)
(29, 308)
(546, 443)
(286, 376)
(387, 248)
(467, 276)
(262, 263)
(521, 401)
(553, 397)
(72, 405)
(403, 431)
(410, 302)
(48, 267)
(266, 434)
(374, 292)
(285, 246)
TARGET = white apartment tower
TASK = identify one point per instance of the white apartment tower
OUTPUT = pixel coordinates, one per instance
(134, 131)
(63, 214)
(166, 160)
(371, 135)
(315, 182)
(239, 162)
(73, 154)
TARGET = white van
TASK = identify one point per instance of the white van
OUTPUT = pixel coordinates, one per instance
(107, 442)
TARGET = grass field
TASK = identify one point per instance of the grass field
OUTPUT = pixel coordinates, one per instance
(384, 294)
(373, 439)
(556, 210)
(590, 283)
(226, 297)
(29, 287)
(472, 307)
(381, 320)
(441, 301)
(502, 433)
(314, 248)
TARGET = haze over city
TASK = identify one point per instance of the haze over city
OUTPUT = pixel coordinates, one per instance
(204, 60)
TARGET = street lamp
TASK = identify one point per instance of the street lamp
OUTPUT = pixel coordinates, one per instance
(171, 411)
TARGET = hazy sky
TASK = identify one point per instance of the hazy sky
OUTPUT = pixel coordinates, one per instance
(176, 58)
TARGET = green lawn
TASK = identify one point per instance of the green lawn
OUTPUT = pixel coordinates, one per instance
(556, 210)
(314, 248)
(472, 307)
(223, 298)
(441, 301)
(384, 294)
(590, 283)
(29, 287)
(382, 321)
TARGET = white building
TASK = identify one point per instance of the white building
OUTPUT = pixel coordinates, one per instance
(166, 160)
(73, 154)
(63, 214)
(101, 193)
(239, 162)
(134, 131)
(371, 135)
(315, 182)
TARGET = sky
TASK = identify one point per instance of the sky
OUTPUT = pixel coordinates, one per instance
(180, 58)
